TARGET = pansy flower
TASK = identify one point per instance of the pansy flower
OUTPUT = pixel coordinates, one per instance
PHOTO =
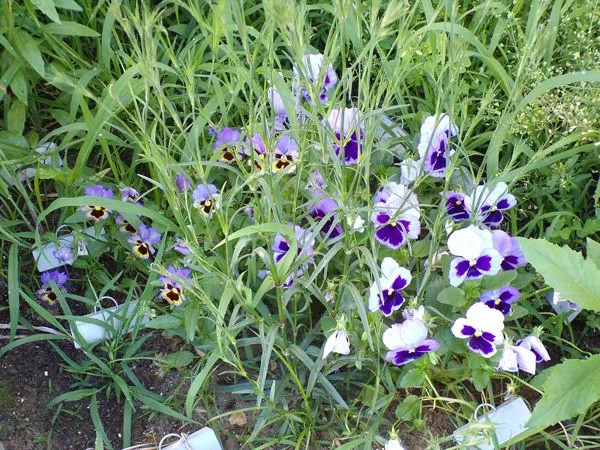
(515, 358)
(410, 170)
(501, 299)
(509, 249)
(396, 215)
(64, 254)
(181, 246)
(305, 242)
(182, 182)
(285, 155)
(129, 194)
(312, 66)
(206, 198)
(174, 284)
(322, 208)
(144, 240)
(490, 204)
(316, 182)
(348, 134)
(97, 213)
(482, 327)
(394, 444)
(475, 255)
(125, 226)
(46, 293)
(259, 150)
(407, 342)
(227, 145)
(534, 344)
(434, 144)
(337, 342)
(386, 294)
(281, 120)
(457, 206)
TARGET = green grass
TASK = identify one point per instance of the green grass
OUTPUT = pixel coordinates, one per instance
(129, 99)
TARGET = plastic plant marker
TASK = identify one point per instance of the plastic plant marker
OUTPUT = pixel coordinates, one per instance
(507, 421)
(113, 317)
(204, 439)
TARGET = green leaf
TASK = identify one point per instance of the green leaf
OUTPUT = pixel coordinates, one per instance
(16, 118)
(47, 7)
(69, 28)
(570, 389)
(566, 271)
(180, 359)
(413, 378)
(30, 51)
(13, 288)
(593, 252)
(165, 322)
(67, 4)
(497, 281)
(452, 296)
(19, 86)
(408, 409)
(190, 399)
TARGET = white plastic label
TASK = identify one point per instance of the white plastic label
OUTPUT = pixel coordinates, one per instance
(46, 257)
(561, 306)
(204, 439)
(507, 421)
(113, 317)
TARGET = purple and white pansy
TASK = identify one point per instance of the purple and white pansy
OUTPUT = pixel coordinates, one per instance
(434, 144)
(407, 341)
(515, 358)
(206, 198)
(324, 208)
(322, 79)
(46, 293)
(482, 327)
(509, 249)
(490, 204)
(174, 283)
(386, 293)
(228, 145)
(305, 247)
(144, 241)
(458, 206)
(475, 255)
(349, 135)
(97, 213)
(285, 155)
(533, 343)
(501, 299)
(396, 215)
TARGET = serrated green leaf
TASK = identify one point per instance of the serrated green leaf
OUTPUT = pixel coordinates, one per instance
(47, 7)
(452, 296)
(570, 389)
(29, 50)
(69, 28)
(593, 251)
(566, 271)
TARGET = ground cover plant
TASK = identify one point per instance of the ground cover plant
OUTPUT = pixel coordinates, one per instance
(347, 224)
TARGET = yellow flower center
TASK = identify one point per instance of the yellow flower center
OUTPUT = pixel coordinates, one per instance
(207, 203)
(497, 302)
(477, 333)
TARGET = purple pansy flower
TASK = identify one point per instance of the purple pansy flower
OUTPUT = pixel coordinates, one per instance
(475, 255)
(457, 206)
(316, 182)
(305, 242)
(311, 68)
(286, 154)
(144, 240)
(227, 145)
(490, 204)
(64, 254)
(97, 213)
(259, 150)
(281, 120)
(325, 207)
(125, 226)
(515, 358)
(386, 295)
(483, 327)
(174, 284)
(45, 292)
(536, 346)
(206, 198)
(129, 194)
(182, 182)
(348, 132)
(501, 299)
(434, 144)
(509, 249)
(181, 247)
(407, 342)
(396, 215)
